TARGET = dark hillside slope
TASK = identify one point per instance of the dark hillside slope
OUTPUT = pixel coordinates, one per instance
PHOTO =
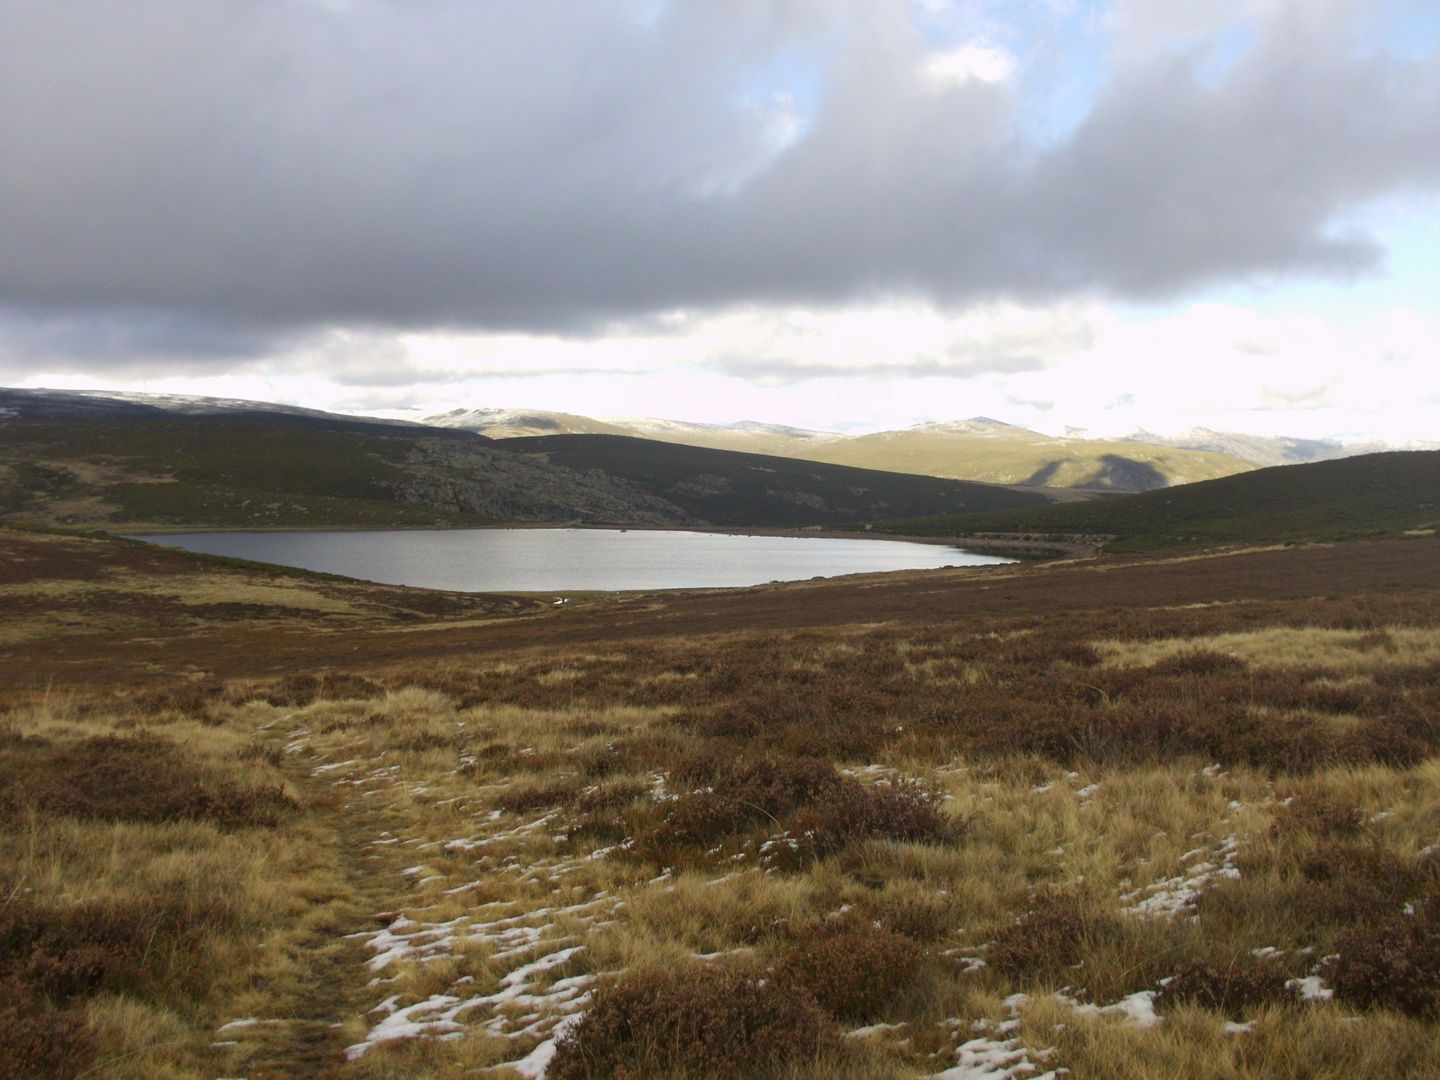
(264, 472)
(725, 487)
(1372, 495)
(20, 403)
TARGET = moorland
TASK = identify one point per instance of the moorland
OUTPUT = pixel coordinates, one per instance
(1170, 811)
(1142, 815)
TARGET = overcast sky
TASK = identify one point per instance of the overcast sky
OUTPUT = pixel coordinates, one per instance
(837, 213)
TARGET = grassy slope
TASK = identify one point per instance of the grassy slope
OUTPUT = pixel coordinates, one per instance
(1002, 455)
(982, 452)
(1117, 778)
(1372, 495)
(726, 488)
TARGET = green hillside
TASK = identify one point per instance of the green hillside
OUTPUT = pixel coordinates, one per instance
(727, 488)
(984, 451)
(1372, 495)
(998, 453)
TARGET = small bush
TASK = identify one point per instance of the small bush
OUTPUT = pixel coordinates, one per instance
(257, 751)
(1395, 964)
(610, 796)
(45, 1044)
(303, 688)
(59, 952)
(742, 795)
(190, 699)
(855, 812)
(855, 973)
(1198, 662)
(134, 778)
(1320, 813)
(1053, 935)
(1347, 884)
(700, 1022)
(536, 796)
(420, 742)
(1233, 989)
(920, 918)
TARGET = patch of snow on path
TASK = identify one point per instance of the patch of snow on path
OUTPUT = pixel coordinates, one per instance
(444, 1009)
(1177, 895)
(996, 1059)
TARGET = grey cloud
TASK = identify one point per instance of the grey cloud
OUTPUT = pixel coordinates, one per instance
(251, 171)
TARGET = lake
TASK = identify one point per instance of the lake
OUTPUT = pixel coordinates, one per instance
(571, 560)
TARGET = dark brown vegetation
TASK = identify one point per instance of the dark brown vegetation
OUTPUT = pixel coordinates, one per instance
(53, 957)
(853, 971)
(818, 812)
(1049, 938)
(699, 1022)
(1236, 989)
(1394, 964)
(139, 777)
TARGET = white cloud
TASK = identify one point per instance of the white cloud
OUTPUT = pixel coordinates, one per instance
(888, 365)
(974, 62)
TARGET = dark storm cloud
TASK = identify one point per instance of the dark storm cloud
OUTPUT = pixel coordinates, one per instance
(238, 169)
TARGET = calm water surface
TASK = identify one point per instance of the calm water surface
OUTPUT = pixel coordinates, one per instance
(559, 560)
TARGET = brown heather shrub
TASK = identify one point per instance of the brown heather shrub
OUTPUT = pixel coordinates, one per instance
(1395, 964)
(596, 762)
(855, 972)
(45, 1044)
(58, 952)
(855, 812)
(1051, 936)
(699, 1022)
(258, 751)
(1198, 662)
(611, 796)
(535, 796)
(1387, 741)
(131, 778)
(1232, 989)
(305, 688)
(1346, 884)
(1026, 771)
(190, 699)
(420, 742)
(1320, 813)
(741, 795)
(920, 918)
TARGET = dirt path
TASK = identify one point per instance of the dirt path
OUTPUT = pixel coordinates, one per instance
(330, 973)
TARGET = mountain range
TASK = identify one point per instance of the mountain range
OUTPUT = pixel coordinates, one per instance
(144, 462)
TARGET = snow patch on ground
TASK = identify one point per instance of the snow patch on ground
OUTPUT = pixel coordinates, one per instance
(1177, 895)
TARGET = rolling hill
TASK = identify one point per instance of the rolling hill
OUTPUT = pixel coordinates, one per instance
(96, 460)
(996, 453)
(1373, 495)
(728, 488)
(981, 450)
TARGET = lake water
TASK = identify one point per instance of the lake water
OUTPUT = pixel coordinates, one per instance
(564, 560)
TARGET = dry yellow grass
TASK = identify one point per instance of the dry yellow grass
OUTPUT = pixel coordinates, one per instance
(1343, 653)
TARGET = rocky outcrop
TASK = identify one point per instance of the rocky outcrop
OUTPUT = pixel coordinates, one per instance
(477, 479)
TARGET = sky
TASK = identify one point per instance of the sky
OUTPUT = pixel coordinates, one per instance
(1073, 215)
